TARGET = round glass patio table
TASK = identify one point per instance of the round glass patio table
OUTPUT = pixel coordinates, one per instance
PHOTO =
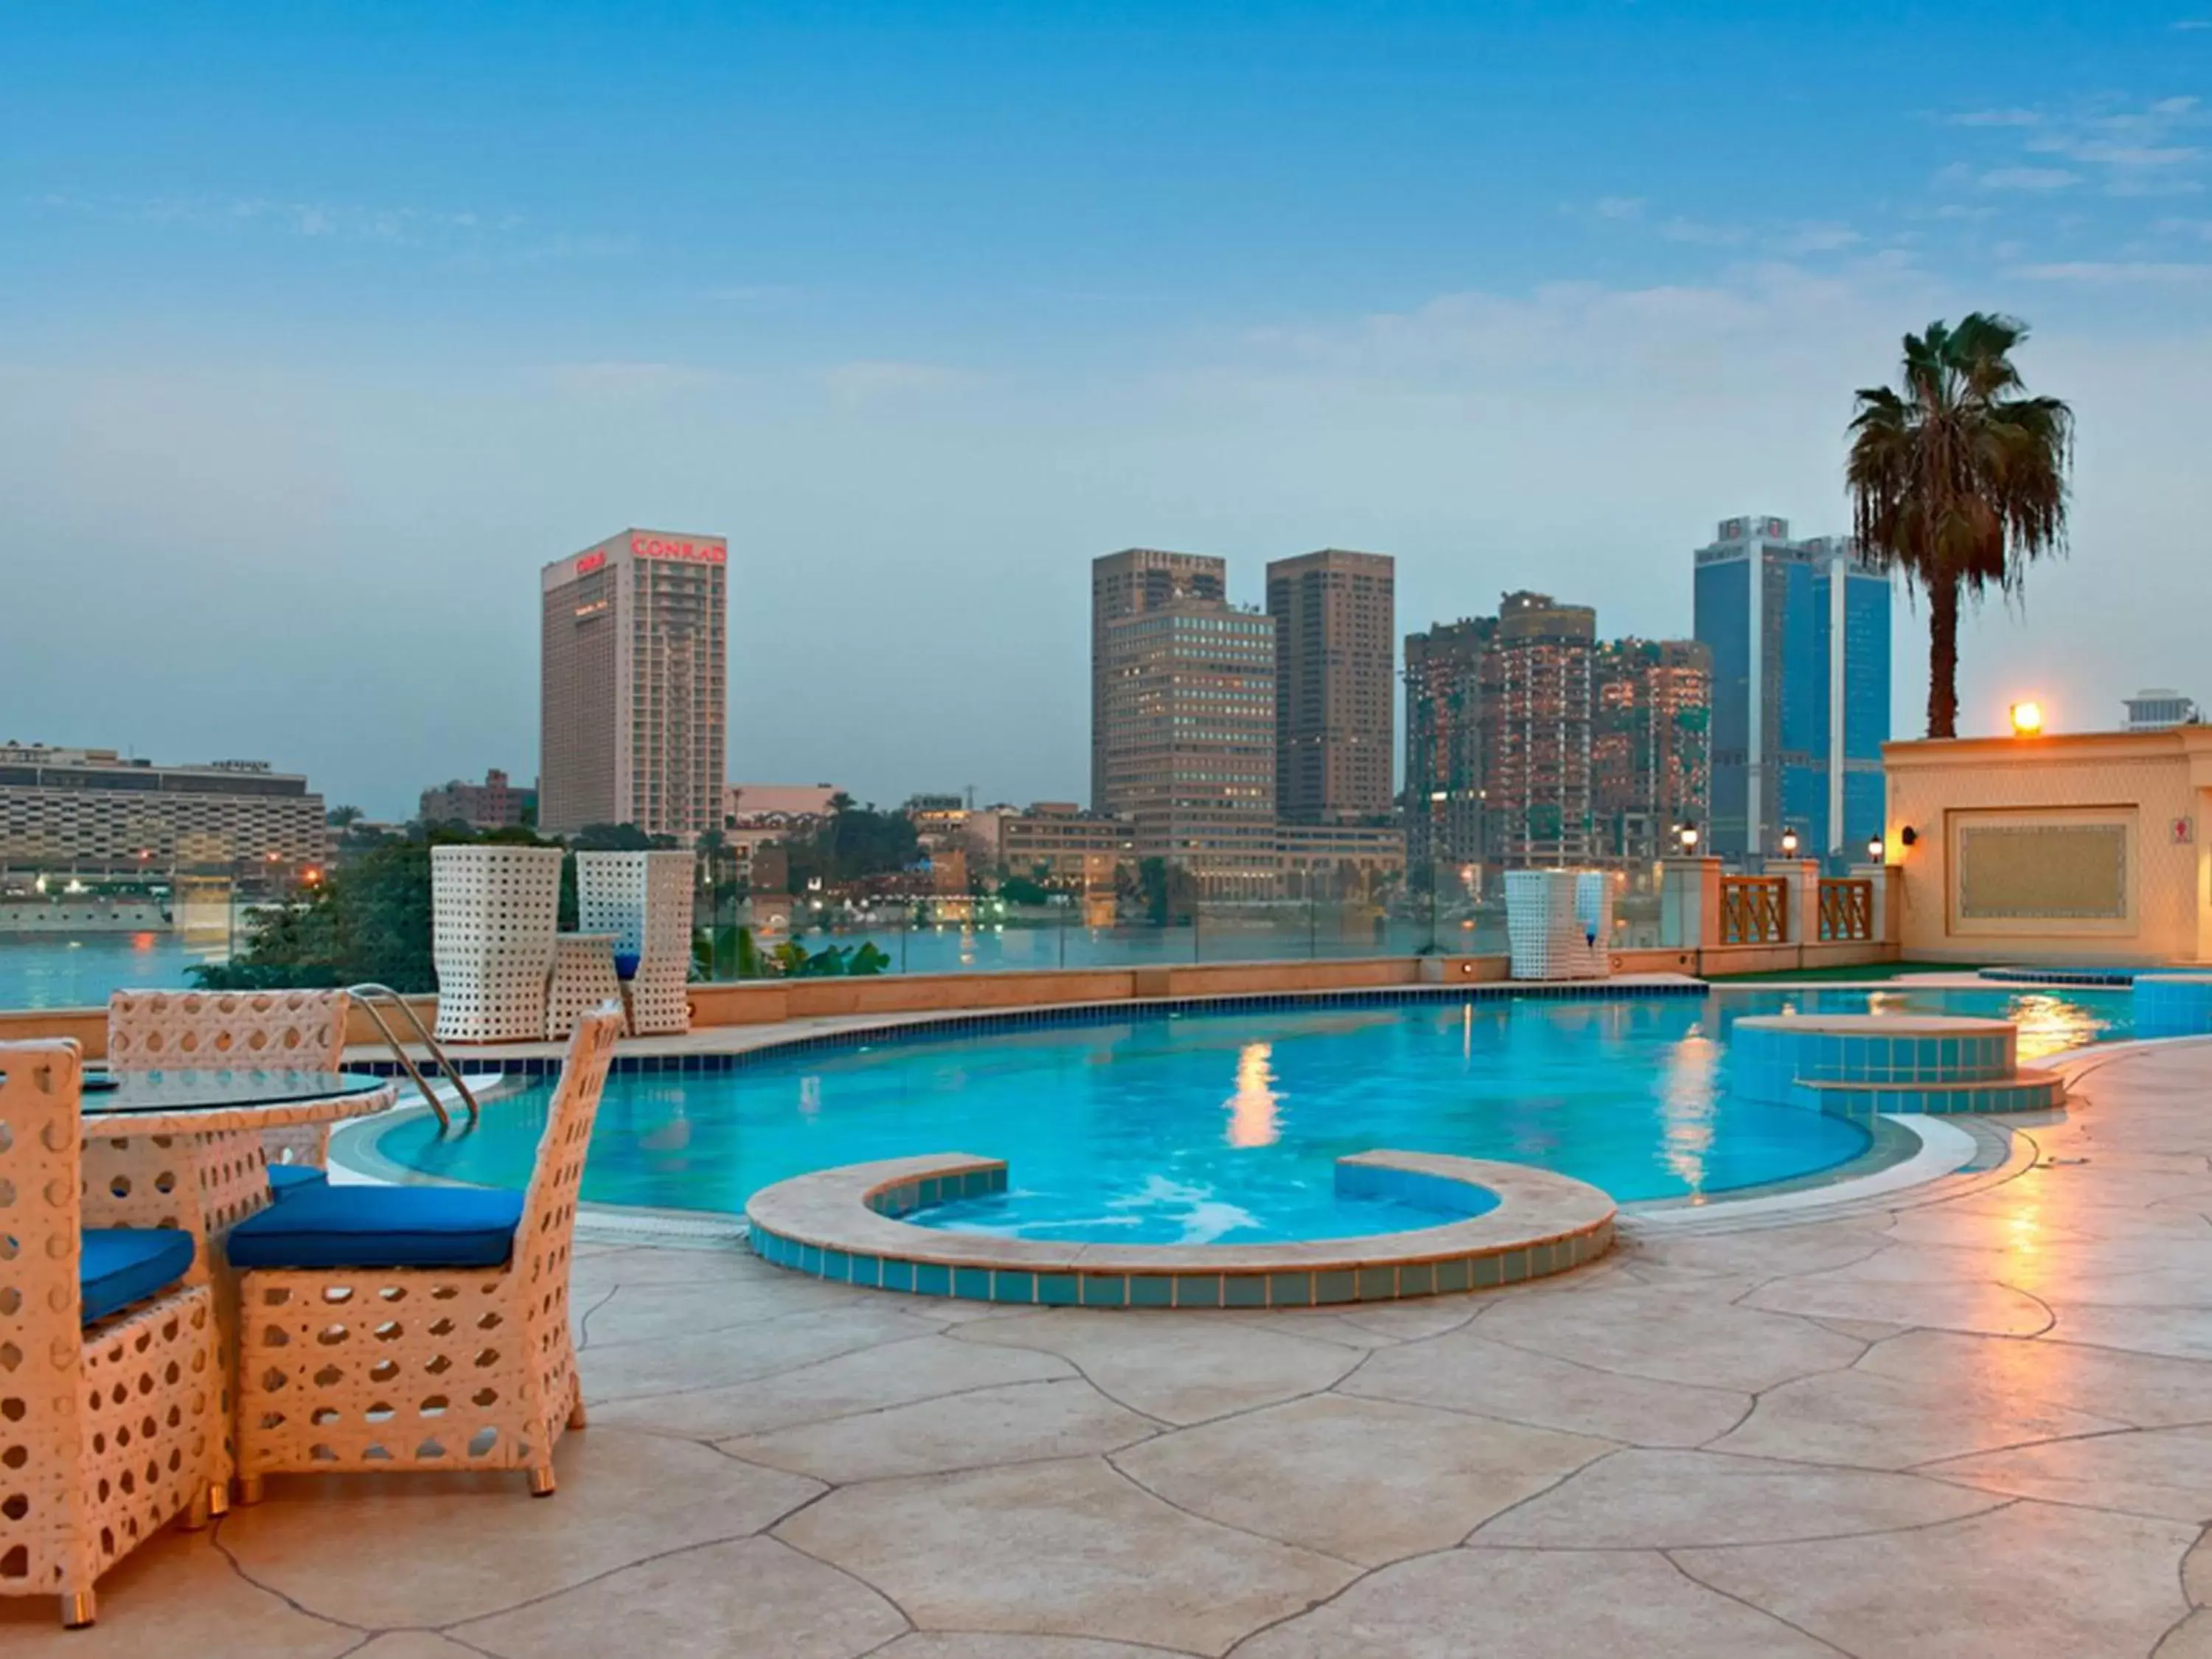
(181, 1147)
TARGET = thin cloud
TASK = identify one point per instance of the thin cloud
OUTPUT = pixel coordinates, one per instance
(2106, 153)
(332, 220)
(1619, 207)
(1696, 231)
(1997, 118)
(466, 235)
(2029, 179)
(756, 293)
(2162, 273)
(1822, 239)
(868, 379)
(628, 379)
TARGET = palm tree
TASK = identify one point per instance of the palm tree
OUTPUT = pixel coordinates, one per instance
(1959, 480)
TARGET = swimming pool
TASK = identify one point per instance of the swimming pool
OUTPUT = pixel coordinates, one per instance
(1224, 1125)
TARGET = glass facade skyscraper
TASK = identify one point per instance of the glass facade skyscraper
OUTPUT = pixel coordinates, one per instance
(1799, 636)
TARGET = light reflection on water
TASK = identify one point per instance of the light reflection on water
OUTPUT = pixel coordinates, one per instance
(1689, 1099)
(2050, 1024)
(1252, 1108)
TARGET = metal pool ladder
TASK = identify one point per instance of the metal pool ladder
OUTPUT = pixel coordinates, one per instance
(373, 1000)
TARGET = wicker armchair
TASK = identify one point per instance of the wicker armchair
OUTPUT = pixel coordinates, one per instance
(111, 1372)
(305, 1029)
(419, 1328)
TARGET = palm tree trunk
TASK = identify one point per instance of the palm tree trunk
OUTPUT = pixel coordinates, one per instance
(1943, 659)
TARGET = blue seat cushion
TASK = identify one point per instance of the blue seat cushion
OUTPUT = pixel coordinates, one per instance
(119, 1266)
(380, 1227)
(285, 1178)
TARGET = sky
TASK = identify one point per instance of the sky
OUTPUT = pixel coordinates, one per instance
(323, 327)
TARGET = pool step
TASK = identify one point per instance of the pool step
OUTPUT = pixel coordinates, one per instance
(2027, 1089)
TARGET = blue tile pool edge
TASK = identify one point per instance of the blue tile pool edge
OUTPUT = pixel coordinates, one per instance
(1375, 1267)
(1081, 1013)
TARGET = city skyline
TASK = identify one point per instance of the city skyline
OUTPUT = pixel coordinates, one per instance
(414, 325)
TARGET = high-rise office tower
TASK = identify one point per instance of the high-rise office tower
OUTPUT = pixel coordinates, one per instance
(1529, 744)
(1185, 724)
(1129, 583)
(1539, 810)
(1800, 634)
(634, 705)
(1335, 618)
(1649, 745)
(1443, 743)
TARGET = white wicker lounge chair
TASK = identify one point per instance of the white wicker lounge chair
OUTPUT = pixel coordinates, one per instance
(111, 1370)
(644, 899)
(148, 1031)
(419, 1328)
(494, 910)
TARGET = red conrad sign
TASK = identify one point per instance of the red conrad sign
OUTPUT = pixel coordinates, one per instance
(652, 547)
(588, 562)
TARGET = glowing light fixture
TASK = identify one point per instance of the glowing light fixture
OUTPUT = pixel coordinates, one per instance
(1790, 843)
(2027, 720)
(1874, 849)
(1689, 833)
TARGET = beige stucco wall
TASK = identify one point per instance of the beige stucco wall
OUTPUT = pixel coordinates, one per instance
(2108, 826)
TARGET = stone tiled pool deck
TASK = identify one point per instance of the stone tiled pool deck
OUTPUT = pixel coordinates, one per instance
(1972, 1420)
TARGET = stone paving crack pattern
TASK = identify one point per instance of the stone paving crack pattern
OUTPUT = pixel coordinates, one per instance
(2025, 1344)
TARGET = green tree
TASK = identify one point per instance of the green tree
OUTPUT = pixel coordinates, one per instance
(852, 842)
(1959, 480)
(1170, 892)
(343, 817)
(368, 921)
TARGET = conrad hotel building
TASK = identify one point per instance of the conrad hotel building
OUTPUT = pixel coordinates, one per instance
(634, 697)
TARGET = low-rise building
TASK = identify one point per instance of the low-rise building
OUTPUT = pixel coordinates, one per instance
(1057, 843)
(749, 805)
(2070, 848)
(1361, 861)
(495, 803)
(94, 811)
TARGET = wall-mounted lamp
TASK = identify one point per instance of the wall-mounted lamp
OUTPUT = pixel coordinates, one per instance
(1789, 843)
(1908, 835)
(2027, 720)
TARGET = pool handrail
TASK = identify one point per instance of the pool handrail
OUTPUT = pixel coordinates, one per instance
(368, 995)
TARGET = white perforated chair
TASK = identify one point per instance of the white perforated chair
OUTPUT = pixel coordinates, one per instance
(111, 1369)
(644, 899)
(304, 1030)
(419, 1328)
(493, 912)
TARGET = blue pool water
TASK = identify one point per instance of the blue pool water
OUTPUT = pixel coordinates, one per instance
(1225, 1126)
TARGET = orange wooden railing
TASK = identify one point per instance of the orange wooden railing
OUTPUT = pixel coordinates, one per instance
(1754, 910)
